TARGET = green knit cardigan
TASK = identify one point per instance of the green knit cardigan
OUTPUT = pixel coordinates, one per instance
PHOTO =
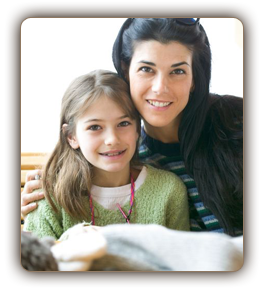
(161, 199)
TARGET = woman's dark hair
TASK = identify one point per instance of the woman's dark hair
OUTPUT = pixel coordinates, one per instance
(193, 125)
(218, 162)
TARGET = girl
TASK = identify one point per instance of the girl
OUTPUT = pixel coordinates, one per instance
(92, 174)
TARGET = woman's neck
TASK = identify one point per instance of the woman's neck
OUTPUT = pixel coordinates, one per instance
(166, 134)
(113, 179)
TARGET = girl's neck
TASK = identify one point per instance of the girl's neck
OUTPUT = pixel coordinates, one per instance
(114, 179)
(166, 134)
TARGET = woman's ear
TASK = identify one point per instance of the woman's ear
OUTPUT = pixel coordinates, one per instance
(72, 140)
(192, 87)
(125, 70)
(137, 136)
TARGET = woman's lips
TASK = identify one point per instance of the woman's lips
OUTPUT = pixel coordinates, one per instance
(159, 105)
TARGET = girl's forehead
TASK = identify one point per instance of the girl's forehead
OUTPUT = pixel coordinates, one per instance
(104, 107)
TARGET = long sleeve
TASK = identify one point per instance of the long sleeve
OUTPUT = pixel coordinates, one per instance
(44, 221)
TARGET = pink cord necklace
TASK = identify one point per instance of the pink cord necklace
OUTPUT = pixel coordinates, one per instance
(127, 217)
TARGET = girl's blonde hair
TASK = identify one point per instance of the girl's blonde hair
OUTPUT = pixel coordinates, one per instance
(67, 175)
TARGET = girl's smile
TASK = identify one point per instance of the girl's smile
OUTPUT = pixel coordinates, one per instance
(114, 154)
(107, 138)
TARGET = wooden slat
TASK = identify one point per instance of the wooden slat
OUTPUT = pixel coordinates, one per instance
(32, 162)
(32, 154)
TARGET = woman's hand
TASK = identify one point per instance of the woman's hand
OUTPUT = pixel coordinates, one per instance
(28, 197)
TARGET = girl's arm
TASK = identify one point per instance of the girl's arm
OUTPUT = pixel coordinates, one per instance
(44, 221)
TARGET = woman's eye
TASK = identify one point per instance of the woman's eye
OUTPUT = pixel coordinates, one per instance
(124, 123)
(178, 71)
(94, 127)
(146, 69)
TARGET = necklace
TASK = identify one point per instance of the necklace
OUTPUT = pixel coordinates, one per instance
(127, 217)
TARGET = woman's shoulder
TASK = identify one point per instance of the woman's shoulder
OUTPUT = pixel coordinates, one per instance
(229, 105)
(224, 119)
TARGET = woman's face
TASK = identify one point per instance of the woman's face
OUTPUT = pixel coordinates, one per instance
(161, 78)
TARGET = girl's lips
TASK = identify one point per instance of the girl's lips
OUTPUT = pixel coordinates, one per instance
(112, 154)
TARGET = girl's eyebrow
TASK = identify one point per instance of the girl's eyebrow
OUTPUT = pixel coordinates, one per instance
(93, 119)
(173, 65)
(97, 119)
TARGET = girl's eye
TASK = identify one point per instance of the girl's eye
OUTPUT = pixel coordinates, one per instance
(94, 127)
(124, 123)
(178, 71)
(146, 69)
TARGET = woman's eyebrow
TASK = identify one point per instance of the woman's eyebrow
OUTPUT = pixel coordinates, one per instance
(180, 63)
(147, 62)
(173, 65)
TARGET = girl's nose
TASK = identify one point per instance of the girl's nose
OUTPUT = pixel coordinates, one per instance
(111, 138)
(160, 85)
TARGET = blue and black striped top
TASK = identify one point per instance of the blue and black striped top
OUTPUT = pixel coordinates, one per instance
(168, 157)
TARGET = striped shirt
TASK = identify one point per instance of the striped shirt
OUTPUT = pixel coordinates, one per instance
(168, 157)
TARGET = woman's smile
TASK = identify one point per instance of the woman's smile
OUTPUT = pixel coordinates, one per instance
(161, 79)
(159, 105)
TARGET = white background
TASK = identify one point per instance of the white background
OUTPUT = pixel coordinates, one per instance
(1, 148)
(54, 51)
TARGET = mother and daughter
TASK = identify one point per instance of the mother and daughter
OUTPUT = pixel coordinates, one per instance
(165, 64)
(93, 175)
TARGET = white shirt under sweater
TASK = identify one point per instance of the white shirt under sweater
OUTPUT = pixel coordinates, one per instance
(109, 197)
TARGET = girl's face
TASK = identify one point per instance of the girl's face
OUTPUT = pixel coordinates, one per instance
(160, 77)
(106, 136)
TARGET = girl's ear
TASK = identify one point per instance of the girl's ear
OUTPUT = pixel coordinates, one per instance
(72, 140)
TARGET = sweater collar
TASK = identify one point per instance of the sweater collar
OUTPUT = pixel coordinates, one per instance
(156, 146)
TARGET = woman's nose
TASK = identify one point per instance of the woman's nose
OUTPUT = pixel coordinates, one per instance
(111, 138)
(160, 85)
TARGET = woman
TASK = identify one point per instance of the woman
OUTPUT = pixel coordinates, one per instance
(167, 63)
